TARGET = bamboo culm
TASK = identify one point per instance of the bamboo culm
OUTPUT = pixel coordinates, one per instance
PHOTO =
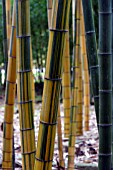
(92, 52)
(24, 86)
(7, 162)
(105, 84)
(52, 84)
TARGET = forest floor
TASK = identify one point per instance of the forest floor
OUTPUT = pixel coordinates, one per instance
(86, 153)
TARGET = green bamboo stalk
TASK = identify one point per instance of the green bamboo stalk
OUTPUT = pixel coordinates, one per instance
(92, 52)
(74, 105)
(52, 84)
(24, 87)
(105, 84)
(7, 162)
(5, 37)
(66, 83)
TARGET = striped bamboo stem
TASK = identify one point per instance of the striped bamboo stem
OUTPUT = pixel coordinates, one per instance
(66, 88)
(52, 84)
(59, 131)
(60, 146)
(7, 162)
(86, 75)
(8, 22)
(105, 84)
(74, 105)
(5, 36)
(24, 88)
(92, 52)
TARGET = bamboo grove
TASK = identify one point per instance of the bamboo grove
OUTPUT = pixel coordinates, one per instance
(72, 76)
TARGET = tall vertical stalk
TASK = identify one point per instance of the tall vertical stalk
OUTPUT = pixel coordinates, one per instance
(59, 131)
(112, 86)
(86, 75)
(5, 36)
(24, 88)
(52, 84)
(66, 85)
(74, 105)
(8, 21)
(92, 52)
(7, 162)
(105, 84)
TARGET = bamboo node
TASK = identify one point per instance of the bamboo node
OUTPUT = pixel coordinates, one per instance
(104, 125)
(48, 124)
(23, 36)
(94, 67)
(102, 154)
(53, 79)
(58, 30)
(105, 91)
(26, 129)
(24, 71)
(43, 160)
(105, 13)
(24, 102)
(28, 153)
(90, 32)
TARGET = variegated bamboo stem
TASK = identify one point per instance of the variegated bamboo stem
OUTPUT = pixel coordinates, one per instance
(7, 162)
(74, 106)
(60, 147)
(86, 76)
(52, 84)
(24, 88)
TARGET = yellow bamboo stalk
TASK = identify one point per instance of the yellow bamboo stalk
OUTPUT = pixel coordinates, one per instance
(66, 83)
(86, 75)
(24, 88)
(7, 162)
(8, 21)
(52, 84)
(74, 110)
(60, 146)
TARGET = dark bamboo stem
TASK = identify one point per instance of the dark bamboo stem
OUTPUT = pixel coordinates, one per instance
(105, 84)
(92, 52)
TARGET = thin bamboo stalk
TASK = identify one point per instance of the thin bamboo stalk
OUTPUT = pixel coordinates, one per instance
(92, 52)
(24, 87)
(79, 116)
(52, 84)
(105, 84)
(5, 36)
(7, 162)
(66, 83)
(74, 106)
(60, 146)
(86, 75)
(112, 86)
(8, 21)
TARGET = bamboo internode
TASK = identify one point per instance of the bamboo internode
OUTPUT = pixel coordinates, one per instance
(24, 88)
